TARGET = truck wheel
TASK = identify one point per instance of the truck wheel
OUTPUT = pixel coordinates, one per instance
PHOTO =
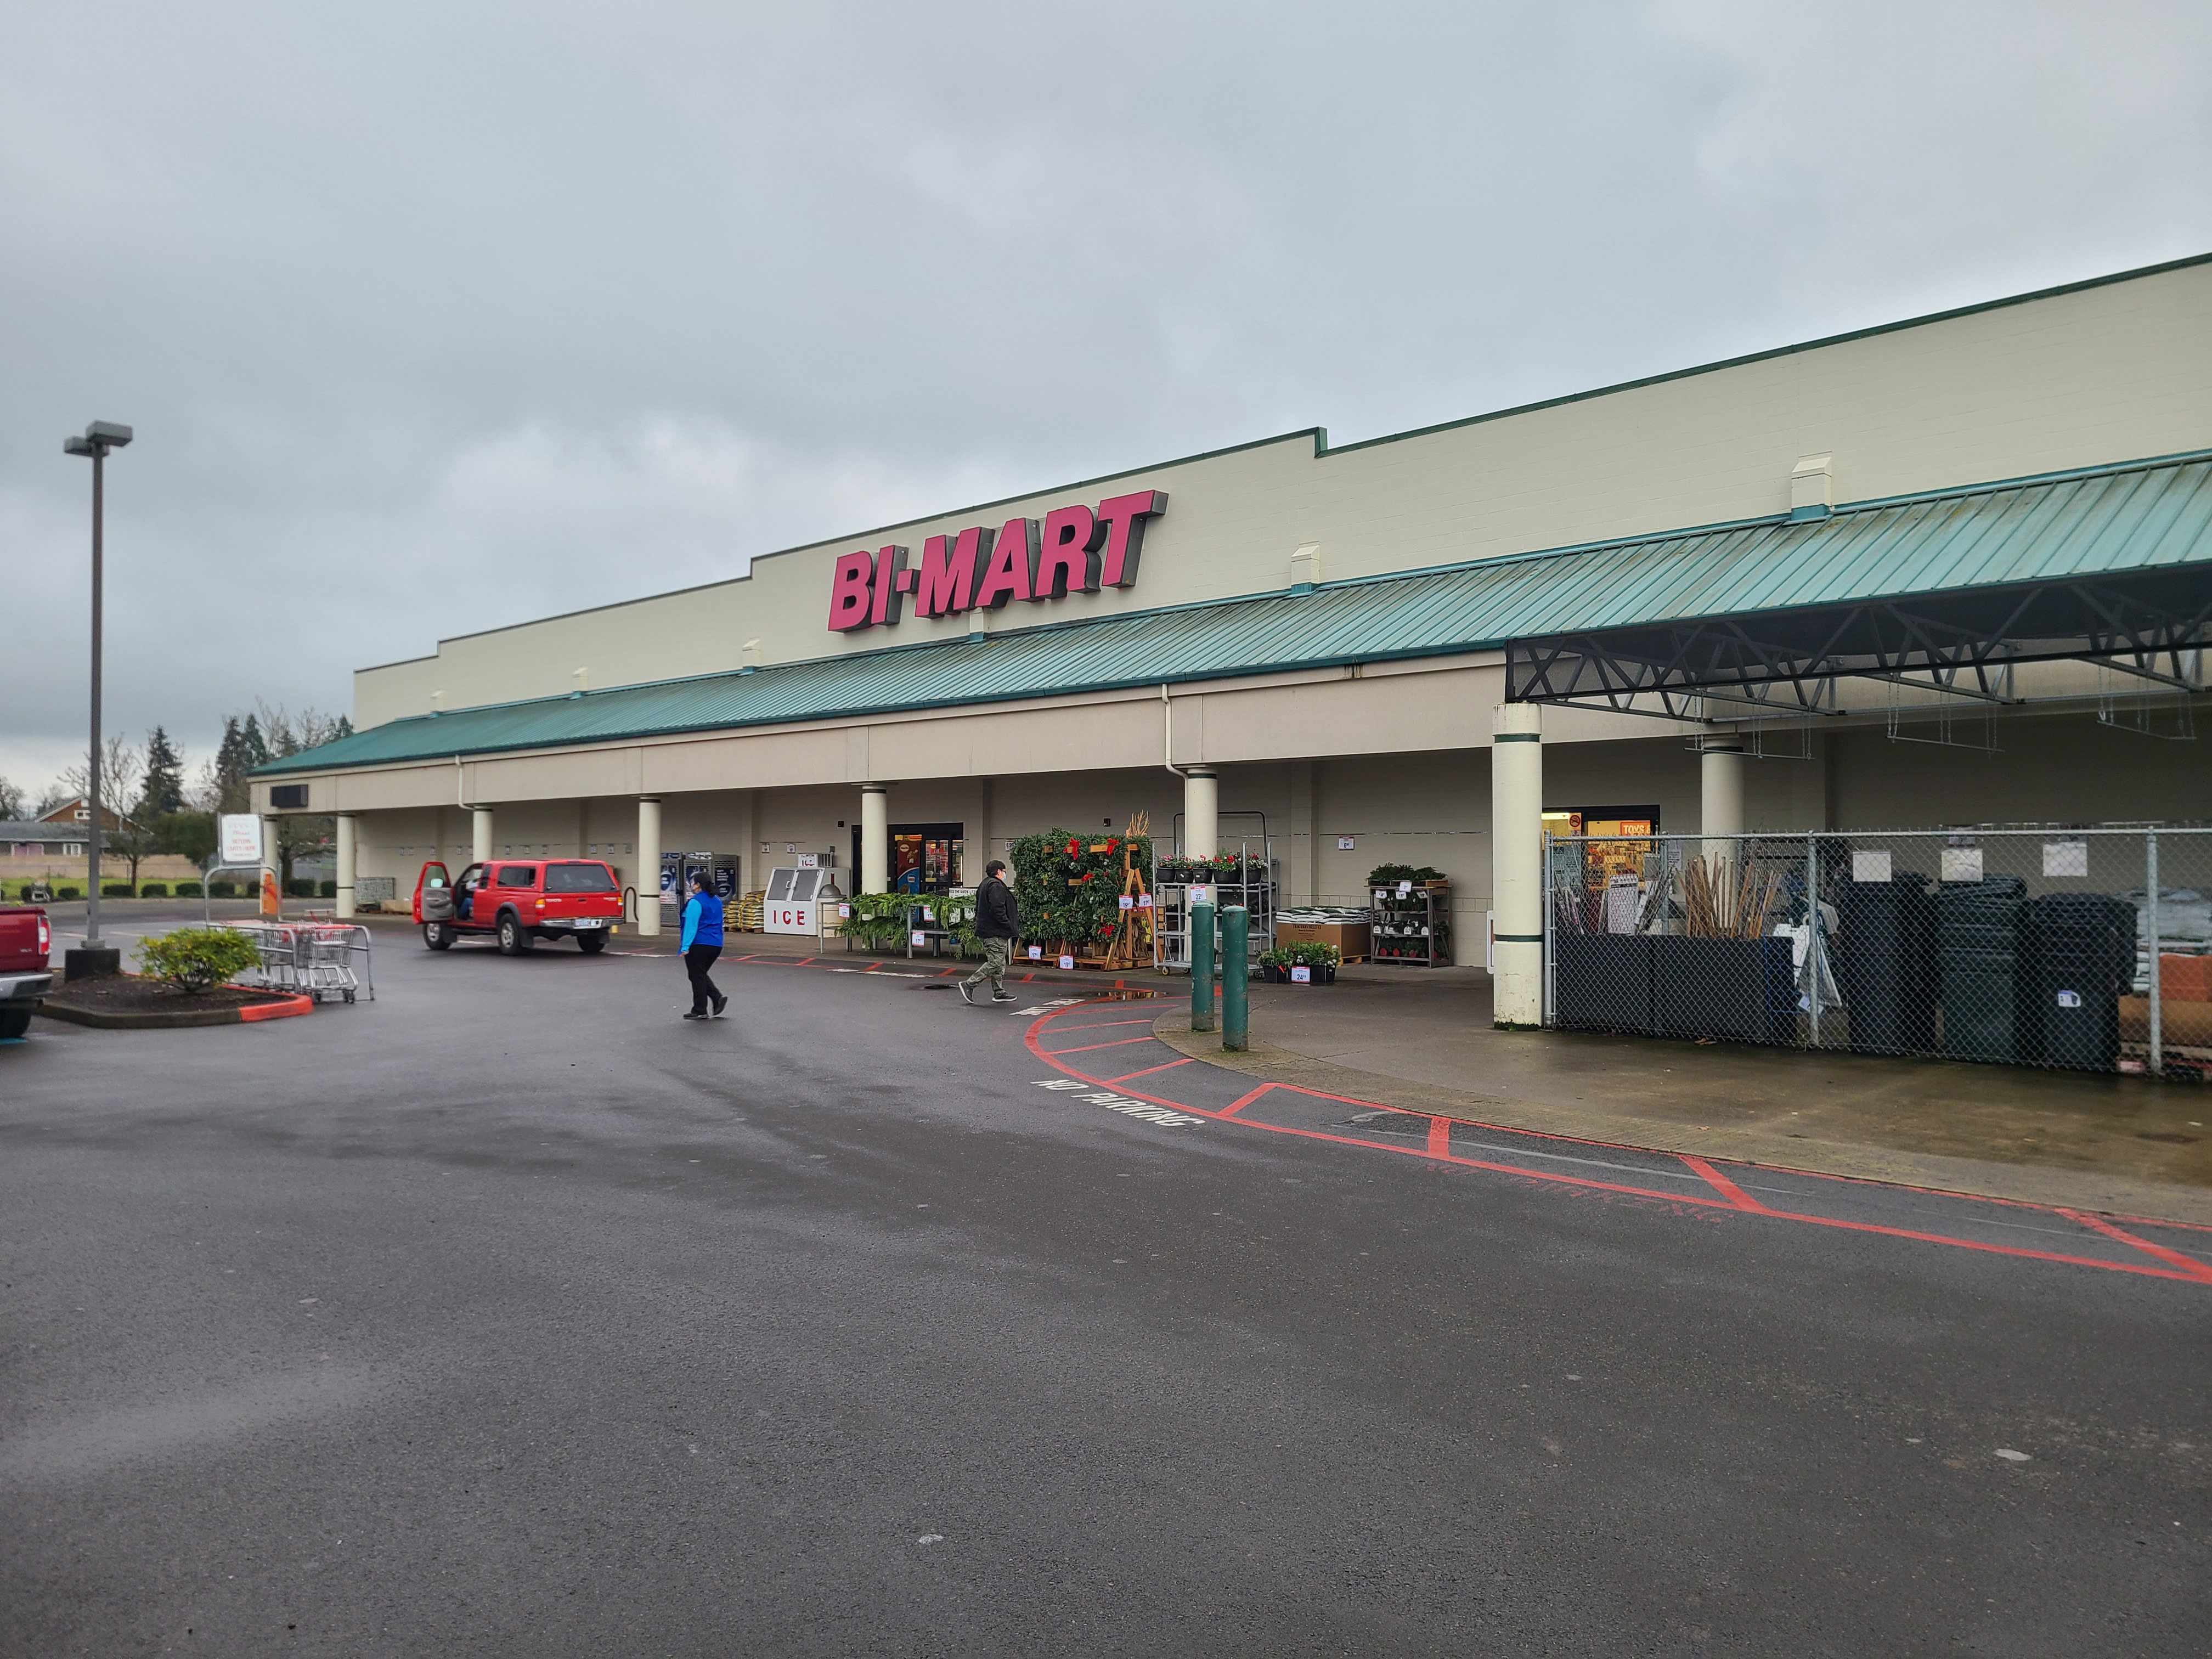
(591, 943)
(513, 937)
(438, 935)
(14, 1021)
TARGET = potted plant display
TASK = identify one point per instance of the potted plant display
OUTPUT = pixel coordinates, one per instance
(1280, 966)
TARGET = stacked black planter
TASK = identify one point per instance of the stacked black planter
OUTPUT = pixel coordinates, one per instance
(2082, 957)
(1982, 949)
(1884, 962)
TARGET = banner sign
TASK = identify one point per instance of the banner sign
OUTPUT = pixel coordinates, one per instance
(240, 834)
(1072, 550)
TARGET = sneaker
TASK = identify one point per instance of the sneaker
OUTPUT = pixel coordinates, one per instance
(695, 1014)
(1004, 996)
(720, 1004)
(967, 994)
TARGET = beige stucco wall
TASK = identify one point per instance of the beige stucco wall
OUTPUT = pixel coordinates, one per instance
(2118, 372)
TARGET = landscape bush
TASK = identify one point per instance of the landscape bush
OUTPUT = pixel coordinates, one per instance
(153, 890)
(223, 890)
(115, 890)
(330, 890)
(25, 895)
(194, 959)
(188, 890)
(299, 887)
(69, 893)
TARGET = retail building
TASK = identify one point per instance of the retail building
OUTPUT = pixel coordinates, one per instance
(1760, 594)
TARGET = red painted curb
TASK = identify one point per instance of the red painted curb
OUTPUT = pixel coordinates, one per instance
(284, 1010)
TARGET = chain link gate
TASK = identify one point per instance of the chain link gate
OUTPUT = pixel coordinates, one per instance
(2079, 949)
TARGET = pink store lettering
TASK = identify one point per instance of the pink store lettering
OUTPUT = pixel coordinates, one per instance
(1072, 550)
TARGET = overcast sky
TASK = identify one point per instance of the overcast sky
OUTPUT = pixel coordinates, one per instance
(431, 317)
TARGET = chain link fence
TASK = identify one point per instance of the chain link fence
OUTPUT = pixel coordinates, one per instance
(2082, 948)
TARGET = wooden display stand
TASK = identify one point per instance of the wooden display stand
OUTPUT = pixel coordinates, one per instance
(1132, 936)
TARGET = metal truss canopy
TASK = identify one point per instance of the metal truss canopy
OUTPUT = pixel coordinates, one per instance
(1786, 662)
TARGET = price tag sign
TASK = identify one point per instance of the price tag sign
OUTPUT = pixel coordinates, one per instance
(1068, 963)
(918, 937)
(1201, 895)
(1037, 953)
(1302, 975)
(1405, 889)
(1346, 844)
(809, 861)
(1128, 903)
(1144, 900)
(845, 913)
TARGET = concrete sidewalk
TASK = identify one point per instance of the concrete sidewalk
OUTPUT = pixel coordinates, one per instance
(1421, 1039)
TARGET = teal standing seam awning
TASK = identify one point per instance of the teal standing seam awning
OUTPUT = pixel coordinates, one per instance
(2147, 517)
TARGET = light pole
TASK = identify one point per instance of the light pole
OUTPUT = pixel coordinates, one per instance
(100, 437)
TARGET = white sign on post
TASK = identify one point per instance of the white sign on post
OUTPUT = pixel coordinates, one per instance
(1870, 866)
(1068, 962)
(240, 834)
(1037, 953)
(919, 937)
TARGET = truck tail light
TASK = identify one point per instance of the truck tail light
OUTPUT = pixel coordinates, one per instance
(541, 904)
(45, 937)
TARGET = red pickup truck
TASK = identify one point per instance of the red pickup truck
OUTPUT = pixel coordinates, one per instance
(26, 938)
(519, 901)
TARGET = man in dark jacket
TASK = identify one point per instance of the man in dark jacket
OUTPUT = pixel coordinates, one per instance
(998, 922)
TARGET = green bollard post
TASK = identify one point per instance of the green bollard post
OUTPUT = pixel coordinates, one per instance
(1202, 967)
(1236, 981)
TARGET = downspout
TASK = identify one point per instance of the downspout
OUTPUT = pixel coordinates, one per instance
(1167, 734)
(458, 801)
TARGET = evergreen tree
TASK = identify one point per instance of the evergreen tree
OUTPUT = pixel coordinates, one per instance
(163, 791)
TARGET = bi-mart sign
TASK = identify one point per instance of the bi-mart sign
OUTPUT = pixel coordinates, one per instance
(1072, 550)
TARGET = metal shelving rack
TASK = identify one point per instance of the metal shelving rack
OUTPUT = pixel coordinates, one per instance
(1427, 912)
(1171, 901)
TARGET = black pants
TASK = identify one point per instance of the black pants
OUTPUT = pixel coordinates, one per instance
(696, 961)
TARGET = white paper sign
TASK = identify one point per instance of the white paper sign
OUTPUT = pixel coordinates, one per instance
(1345, 844)
(240, 834)
(1962, 864)
(1144, 900)
(1067, 962)
(1128, 903)
(2070, 857)
(1405, 889)
(2069, 999)
(1037, 953)
(919, 937)
(1201, 895)
(1301, 975)
(809, 861)
(1870, 866)
(845, 912)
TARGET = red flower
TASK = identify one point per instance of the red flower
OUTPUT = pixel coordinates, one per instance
(1071, 847)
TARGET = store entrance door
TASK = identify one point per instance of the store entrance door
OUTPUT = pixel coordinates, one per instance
(926, 858)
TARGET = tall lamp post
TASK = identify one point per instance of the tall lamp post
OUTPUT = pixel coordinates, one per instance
(99, 438)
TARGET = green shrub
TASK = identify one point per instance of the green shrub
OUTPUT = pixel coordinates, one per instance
(69, 893)
(1389, 875)
(299, 887)
(1069, 886)
(25, 896)
(115, 890)
(329, 890)
(1311, 955)
(223, 890)
(188, 890)
(194, 958)
(153, 890)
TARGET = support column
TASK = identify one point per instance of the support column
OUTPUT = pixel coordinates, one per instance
(1201, 813)
(1720, 796)
(875, 839)
(1516, 861)
(348, 839)
(482, 828)
(268, 829)
(648, 865)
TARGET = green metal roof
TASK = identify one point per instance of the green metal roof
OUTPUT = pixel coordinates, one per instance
(2150, 515)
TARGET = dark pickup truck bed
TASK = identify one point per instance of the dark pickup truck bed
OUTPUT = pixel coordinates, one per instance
(25, 938)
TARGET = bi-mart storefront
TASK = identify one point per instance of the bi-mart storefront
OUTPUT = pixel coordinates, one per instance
(1985, 531)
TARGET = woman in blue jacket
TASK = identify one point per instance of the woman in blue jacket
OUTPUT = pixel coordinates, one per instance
(702, 943)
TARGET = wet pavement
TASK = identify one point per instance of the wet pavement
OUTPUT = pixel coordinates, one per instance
(511, 1313)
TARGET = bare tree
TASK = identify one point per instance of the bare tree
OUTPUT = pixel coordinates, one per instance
(11, 800)
(287, 733)
(121, 765)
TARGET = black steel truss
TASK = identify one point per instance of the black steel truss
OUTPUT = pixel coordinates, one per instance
(1787, 663)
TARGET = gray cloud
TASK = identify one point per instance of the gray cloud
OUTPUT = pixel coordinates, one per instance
(434, 317)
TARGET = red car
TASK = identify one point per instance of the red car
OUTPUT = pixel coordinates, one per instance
(25, 937)
(519, 901)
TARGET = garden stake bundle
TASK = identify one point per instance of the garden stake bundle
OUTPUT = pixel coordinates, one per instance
(1729, 901)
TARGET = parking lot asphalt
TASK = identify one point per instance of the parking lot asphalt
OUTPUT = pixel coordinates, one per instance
(511, 1313)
